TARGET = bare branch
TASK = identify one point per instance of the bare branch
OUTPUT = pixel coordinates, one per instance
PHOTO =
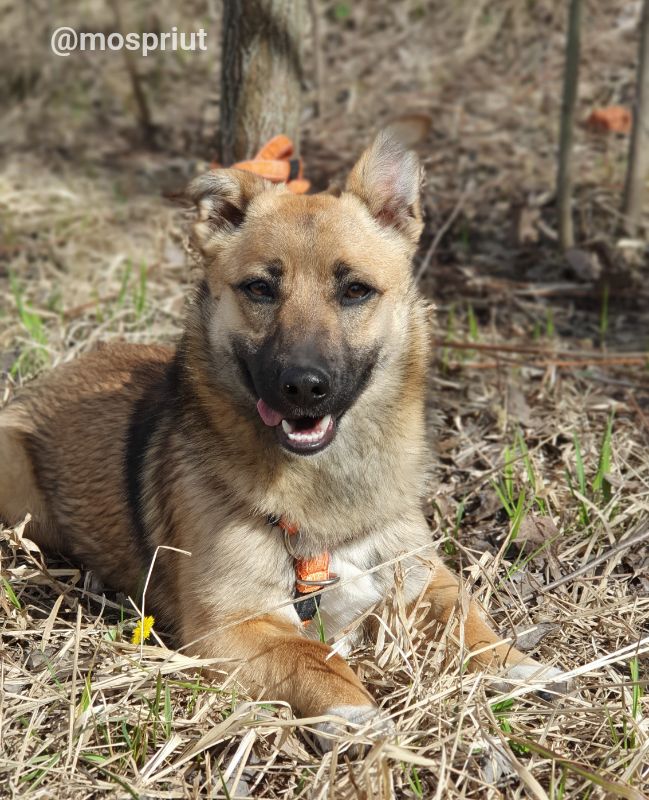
(638, 168)
(570, 83)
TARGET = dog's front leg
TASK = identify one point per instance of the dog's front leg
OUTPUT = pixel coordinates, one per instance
(273, 661)
(487, 649)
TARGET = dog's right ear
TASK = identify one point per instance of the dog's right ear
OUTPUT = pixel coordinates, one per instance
(222, 198)
(387, 178)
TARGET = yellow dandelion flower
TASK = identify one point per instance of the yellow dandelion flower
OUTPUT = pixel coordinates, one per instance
(142, 630)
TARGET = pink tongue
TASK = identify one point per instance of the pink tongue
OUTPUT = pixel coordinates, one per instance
(268, 414)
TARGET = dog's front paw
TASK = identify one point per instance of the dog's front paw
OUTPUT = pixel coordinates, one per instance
(348, 720)
(547, 682)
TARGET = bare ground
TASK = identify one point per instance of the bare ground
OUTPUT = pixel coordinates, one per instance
(540, 486)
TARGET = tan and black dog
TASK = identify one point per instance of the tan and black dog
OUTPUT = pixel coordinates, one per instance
(296, 396)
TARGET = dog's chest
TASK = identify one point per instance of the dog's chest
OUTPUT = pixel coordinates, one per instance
(367, 576)
(359, 587)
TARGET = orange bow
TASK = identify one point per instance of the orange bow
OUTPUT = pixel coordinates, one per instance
(274, 162)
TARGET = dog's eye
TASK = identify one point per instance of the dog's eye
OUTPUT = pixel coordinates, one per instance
(259, 290)
(356, 293)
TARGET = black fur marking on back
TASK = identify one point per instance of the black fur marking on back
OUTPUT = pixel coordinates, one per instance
(147, 414)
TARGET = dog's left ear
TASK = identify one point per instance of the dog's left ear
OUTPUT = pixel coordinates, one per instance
(222, 198)
(387, 178)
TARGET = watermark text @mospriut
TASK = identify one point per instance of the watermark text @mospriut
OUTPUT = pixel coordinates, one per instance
(66, 40)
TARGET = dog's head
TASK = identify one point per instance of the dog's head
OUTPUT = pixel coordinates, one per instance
(308, 294)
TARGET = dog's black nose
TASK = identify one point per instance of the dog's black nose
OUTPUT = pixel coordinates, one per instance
(304, 387)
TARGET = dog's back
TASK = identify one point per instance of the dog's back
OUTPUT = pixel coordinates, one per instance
(63, 450)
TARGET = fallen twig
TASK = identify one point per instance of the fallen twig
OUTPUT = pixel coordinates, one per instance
(592, 355)
(625, 544)
(612, 361)
(426, 260)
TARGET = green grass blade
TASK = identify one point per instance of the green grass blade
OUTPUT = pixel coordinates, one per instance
(13, 599)
(600, 484)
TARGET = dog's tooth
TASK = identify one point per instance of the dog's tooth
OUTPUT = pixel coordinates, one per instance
(305, 437)
(300, 437)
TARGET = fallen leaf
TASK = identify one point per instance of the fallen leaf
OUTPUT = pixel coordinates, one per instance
(517, 406)
(529, 640)
(411, 129)
(586, 266)
(536, 530)
(488, 503)
(613, 119)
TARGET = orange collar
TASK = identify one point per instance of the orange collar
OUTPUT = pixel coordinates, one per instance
(311, 574)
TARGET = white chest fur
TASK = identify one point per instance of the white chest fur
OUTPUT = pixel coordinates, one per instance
(366, 578)
(358, 589)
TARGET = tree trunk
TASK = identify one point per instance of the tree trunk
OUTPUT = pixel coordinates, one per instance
(569, 102)
(261, 74)
(638, 168)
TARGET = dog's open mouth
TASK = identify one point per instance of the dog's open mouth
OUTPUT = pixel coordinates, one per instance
(301, 435)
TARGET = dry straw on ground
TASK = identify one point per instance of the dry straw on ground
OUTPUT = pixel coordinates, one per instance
(540, 394)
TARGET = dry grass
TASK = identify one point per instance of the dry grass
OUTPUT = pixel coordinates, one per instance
(90, 252)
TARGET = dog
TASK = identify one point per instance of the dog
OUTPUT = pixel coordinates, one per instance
(282, 445)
